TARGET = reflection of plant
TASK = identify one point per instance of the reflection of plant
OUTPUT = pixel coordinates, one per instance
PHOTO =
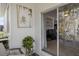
(69, 37)
(69, 29)
(66, 28)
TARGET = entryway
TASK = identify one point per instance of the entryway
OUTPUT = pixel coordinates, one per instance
(60, 29)
(50, 29)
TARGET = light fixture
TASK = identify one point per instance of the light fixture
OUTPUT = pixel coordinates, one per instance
(66, 13)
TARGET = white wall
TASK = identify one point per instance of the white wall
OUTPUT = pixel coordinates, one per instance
(17, 34)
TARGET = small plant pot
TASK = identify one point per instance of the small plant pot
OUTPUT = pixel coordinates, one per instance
(28, 52)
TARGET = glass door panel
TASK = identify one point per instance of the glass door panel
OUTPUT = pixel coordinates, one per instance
(69, 30)
(50, 32)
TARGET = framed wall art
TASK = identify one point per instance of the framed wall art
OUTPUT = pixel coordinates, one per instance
(24, 17)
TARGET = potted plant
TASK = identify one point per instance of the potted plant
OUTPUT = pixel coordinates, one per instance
(28, 44)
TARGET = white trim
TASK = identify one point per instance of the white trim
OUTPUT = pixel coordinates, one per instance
(43, 33)
(54, 7)
(57, 32)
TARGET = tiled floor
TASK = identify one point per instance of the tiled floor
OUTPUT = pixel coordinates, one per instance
(52, 46)
(63, 50)
(68, 50)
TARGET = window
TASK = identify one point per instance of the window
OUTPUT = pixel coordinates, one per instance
(1, 23)
(4, 22)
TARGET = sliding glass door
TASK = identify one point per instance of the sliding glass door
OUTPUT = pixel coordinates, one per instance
(69, 30)
(50, 32)
(66, 27)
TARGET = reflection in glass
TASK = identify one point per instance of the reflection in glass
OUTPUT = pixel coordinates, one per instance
(50, 28)
(69, 29)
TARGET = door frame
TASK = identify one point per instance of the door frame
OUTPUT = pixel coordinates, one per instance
(43, 33)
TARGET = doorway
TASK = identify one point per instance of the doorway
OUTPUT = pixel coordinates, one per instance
(50, 32)
(61, 30)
